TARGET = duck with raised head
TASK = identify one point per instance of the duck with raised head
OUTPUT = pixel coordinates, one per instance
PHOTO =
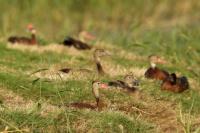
(25, 40)
(154, 72)
(69, 41)
(98, 53)
(129, 83)
(96, 85)
(175, 84)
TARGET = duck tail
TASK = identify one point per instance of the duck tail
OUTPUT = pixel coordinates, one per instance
(184, 82)
(12, 39)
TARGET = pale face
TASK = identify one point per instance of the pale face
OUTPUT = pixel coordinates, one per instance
(129, 78)
(153, 65)
(33, 31)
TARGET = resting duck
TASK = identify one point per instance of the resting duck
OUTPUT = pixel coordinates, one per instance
(97, 54)
(128, 84)
(154, 72)
(25, 40)
(69, 41)
(96, 85)
(175, 84)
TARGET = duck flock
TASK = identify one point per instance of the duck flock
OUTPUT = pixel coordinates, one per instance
(169, 81)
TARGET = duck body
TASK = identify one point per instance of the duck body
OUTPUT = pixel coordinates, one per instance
(25, 40)
(156, 73)
(175, 84)
(121, 85)
(128, 84)
(22, 40)
(69, 41)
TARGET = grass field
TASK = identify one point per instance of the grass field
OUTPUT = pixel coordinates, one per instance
(131, 31)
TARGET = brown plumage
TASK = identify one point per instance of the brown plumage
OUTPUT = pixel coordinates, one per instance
(69, 41)
(154, 72)
(175, 84)
(25, 40)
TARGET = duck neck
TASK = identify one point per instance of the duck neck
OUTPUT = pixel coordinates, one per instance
(99, 68)
(97, 101)
(98, 65)
(95, 91)
(33, 38)
(153, 65)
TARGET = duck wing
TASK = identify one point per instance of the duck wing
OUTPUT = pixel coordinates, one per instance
(117, 83)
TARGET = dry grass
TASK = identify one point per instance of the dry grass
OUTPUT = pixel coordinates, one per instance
(14, 102)
(164, 114)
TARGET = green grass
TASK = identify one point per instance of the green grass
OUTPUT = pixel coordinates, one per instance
(166, 28)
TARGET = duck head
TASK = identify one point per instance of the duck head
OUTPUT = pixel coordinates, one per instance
(131, 80)
(31, 28)
(153, 61)
(157, 59)
(86, 36)
(101, 52)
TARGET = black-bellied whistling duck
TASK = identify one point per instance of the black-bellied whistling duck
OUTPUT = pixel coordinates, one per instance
(96, 85)
(25, 40)
(97, 54)
(69, 41)
(175, 84)
(154, 72)
(128, 84)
